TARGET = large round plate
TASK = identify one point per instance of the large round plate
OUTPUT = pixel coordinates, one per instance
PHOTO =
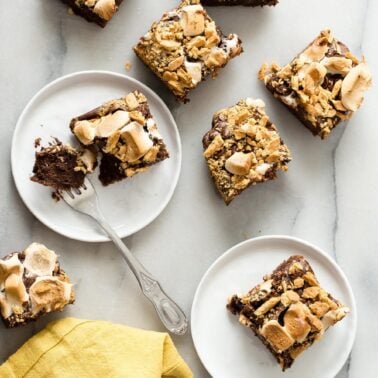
(228, 349)
(128, 205)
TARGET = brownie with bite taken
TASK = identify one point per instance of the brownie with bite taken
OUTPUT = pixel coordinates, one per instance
(126, 135)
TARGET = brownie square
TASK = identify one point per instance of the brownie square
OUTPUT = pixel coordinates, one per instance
(185, 47)
(288, 311)
(98, 11)
(62, 167)
(243, 148)
(246, 3)
(32, 284)
(322, 86)
(125, 133)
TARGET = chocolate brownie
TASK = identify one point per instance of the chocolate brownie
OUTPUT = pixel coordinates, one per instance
(98, 11)
(32, 284)
(288, 311)
(243, 148)
(246, 3)
(62, 167)
(125, 133)
(185, 47)
(322, 86)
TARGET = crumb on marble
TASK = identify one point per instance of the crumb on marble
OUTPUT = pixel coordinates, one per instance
(37, 142)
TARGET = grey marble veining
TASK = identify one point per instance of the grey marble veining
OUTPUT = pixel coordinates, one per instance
(329, 195)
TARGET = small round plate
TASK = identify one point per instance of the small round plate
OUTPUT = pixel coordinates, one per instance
(228, 349)
(129, 205)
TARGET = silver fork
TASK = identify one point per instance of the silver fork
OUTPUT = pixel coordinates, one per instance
(84, 200)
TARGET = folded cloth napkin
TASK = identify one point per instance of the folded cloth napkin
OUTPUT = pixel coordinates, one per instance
(89, 348)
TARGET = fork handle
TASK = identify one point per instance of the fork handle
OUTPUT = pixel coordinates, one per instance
(169, 312)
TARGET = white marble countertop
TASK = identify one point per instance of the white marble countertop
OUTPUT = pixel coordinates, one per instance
(329, 195)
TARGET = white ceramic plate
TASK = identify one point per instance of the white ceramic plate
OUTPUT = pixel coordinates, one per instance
(228, 349)
(128, 205)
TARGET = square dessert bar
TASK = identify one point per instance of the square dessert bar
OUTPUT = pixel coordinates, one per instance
(185, 47)
(125, 133)
(289, 311)
(32, 284)
(322, 86)
(98, 11)
(243, 148)
(247, 3)
(62, 167)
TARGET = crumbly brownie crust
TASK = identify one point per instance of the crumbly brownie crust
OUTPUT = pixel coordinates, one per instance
(61, 166)
(32, 284)
(98, 11)
(322, 86)
(246, 3)
(289, 311)
(243, 148)
(125, 133)
(185, 47)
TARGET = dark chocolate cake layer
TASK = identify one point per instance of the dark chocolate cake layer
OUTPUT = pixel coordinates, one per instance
(61, 167)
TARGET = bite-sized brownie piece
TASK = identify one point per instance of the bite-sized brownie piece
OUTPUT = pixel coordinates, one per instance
(243, 148)
(62, 167)
(125, 132)
(322, 86)
(289, 311)
(185, 47)
(246, 3)
(32, 284)
(98, 11)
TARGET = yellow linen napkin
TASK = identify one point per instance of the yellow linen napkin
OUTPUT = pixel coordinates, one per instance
(89, 348)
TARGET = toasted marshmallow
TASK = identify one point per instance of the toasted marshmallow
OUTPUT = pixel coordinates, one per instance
(105, 9)
(137, 141)
(10, 266)
(85, 131)
(49, 294)
(256, 103)
(296, 323)
(111, 123)
(277, 336)
(89, 160)
(353, 88)
(193, 20)
(239, 163)
(194, 69)
(15, 289)
(263, 168)
(39, 260)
